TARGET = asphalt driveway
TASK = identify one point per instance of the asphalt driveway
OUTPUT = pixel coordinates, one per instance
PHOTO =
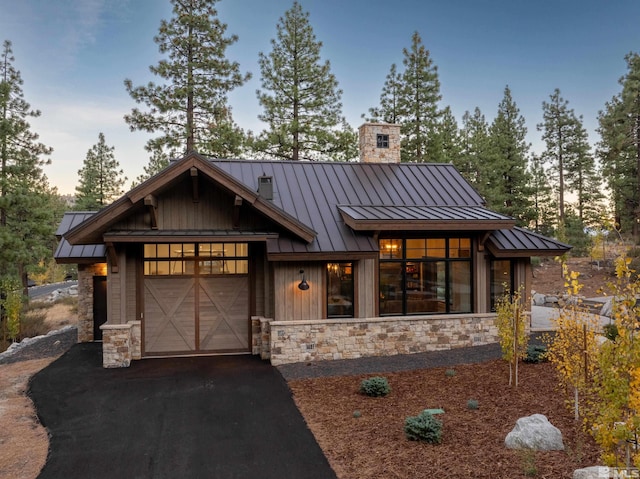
(210, 417)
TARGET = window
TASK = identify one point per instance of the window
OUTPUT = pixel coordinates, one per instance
(340, 290)
(189, 258)
(501, 280)
(425, 275)
(382, 141)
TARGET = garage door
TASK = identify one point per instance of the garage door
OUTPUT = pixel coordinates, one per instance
(197, 306)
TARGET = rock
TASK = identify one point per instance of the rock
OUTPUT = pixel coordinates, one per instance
(539, 299)
(593, 472)
(551, 299)
(535, 432)
(606, 308)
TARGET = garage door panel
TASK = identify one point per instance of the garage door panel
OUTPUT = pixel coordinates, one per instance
(224, 313)
(169, 313)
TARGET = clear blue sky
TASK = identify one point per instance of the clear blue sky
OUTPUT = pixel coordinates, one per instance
(75, 54)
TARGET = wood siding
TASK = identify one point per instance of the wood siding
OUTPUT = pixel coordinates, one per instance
(366, 288)
(292, 304)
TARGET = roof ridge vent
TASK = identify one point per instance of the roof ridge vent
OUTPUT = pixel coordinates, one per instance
(265, 186)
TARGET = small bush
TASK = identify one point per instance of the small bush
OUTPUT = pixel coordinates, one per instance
(357, 414)
(33, 324)
(450, 373)
(472, 404)
(375, 387)
(610, 331)
(536, 353)
(423, 427)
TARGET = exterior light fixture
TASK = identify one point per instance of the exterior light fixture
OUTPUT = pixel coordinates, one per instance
(303, 284)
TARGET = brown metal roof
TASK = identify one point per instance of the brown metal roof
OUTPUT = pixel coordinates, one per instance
(66, 253)
(313, 191)
(422, 218)
(521, 242)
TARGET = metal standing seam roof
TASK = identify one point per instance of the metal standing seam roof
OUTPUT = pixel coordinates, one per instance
(312, 192)
(322, 195)
(518, 241)
(65, 252)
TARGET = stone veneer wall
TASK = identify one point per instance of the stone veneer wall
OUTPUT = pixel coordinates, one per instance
(121, 343)
(301, 341)
(85, 299)
(369, 152)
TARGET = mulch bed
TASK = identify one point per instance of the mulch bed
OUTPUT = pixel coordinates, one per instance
(374, 445)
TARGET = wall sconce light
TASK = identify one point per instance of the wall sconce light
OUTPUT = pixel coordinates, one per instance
(303, 284)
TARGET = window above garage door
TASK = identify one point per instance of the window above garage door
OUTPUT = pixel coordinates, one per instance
(166, 259)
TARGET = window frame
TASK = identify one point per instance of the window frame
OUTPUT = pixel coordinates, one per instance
(346, 268)
(492, 283)
(382, 140)
(441, 268)
(190, 263)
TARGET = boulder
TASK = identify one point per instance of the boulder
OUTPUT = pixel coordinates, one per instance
(593, 472)
(535, 432)
(538, 299)
(606, 308)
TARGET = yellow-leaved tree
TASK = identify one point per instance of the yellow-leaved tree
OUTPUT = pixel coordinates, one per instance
(573, 348)
(616, 405)
(511, 322)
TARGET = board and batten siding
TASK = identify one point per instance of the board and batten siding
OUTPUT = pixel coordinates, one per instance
(292, 304)
(366, 287)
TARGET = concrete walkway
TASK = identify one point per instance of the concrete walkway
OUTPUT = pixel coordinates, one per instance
(543, 318)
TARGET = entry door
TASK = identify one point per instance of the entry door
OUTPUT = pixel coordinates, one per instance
(188, 314)
(99, 305)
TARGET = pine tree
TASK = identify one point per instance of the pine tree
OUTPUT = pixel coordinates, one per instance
(448, 144)
(509, 190)
(474, 154)
(100, 179)
(388, 111)
(25, 216)
(418, 104)
(300, 96)
(619, 148)
(545, 206)
(190, 110)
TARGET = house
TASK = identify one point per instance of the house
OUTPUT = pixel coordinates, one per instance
(296, 261)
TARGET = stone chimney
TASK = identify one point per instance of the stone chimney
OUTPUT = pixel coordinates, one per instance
(379, 143)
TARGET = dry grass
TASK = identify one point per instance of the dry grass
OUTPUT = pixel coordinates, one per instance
(24, 442)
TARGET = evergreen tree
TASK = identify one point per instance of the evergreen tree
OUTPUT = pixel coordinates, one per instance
(388, 111)
(418, 104)
(158, 161)
(545, 206)
(619, 148)
(475, 149)
(190, 110)
(509, 190)
(558, 130)
(26, 223)
(100, 179)
(300, 96)
(448, 138)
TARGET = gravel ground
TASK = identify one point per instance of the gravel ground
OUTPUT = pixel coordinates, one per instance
(53, 344)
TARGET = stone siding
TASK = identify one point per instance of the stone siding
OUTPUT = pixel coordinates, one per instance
(116, 345)
(369, 151)
(301, 341)
(85, 300)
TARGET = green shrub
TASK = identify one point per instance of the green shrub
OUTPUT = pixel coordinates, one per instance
(472, 404)
(423, 427)
(375, 387)
(610, 331)
(450, 373)
(536, 353)
(357, 414)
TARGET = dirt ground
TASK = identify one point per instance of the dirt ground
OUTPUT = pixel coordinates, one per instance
(548, 279)
(373, 445)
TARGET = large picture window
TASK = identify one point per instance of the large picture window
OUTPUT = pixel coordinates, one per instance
(425, 276)
(167, 259)
(340, 290)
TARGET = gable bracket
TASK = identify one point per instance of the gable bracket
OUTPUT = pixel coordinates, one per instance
(483, 239)
(113, 257)
(194, 183)
(151, 202)
(237, 203)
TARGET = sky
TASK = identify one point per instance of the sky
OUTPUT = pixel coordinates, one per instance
(74, 55)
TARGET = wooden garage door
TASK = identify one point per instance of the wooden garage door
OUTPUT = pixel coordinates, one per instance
(176, 320)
